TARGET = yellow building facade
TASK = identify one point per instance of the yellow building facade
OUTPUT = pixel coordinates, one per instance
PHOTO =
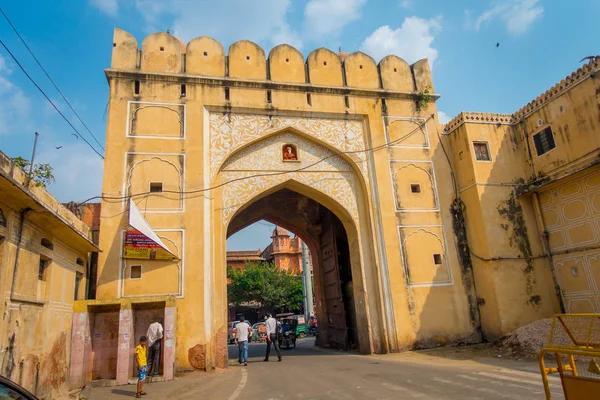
(43, 269)
(388, 201)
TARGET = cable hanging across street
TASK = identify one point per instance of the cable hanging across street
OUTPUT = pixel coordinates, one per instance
(198, 191)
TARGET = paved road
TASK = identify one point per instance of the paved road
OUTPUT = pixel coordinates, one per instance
(309, 373)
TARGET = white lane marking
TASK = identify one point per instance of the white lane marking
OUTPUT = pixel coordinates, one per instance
(535, 390)
(533, 375)
(241, 386)
(510, 378)
(398, 388)
(491, 392)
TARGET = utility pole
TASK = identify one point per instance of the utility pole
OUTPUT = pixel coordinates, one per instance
(307, 282)
(30, 177)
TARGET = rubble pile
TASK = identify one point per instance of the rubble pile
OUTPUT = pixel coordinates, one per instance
(527, 341)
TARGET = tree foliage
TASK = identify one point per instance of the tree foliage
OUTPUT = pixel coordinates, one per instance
(41, 174)
(265, 284)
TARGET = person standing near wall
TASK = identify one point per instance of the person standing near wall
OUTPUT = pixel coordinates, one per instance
(155, 335)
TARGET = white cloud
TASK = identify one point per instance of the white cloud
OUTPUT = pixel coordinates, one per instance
(408, 4)
(329, 17)
(226, 21)
(518, 15)
(78, 172)
(15, 106)
(412, 41)
(109, 7)
(443, 118)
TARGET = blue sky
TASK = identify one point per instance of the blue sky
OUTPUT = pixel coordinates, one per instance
(541, 41)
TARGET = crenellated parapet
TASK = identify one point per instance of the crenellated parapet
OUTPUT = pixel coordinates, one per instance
(162, 52)
(559, 88)
(555, 91)
(478, 117)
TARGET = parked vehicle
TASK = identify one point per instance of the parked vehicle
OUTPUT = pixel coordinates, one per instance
(259, 332)
(302, 330)
(230, 335)
(288, 332)
(10, 390)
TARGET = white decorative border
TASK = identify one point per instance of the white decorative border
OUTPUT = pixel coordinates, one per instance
(183, 182)
(433, 181)
(123, 265)
(405, 266)
(394, 118)
(152, 103)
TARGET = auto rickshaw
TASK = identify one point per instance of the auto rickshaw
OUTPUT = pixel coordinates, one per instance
(288, 331)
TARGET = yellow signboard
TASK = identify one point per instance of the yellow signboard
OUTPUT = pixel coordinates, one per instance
(139, 246)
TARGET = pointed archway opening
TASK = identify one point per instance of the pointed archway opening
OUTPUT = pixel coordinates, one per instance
(334, 265)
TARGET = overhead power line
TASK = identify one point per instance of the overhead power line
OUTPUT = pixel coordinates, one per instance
(48, 76)
(242, 178)
(48, 98)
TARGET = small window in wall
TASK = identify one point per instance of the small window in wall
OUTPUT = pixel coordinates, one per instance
(226, 94)
(347, 101)
(80, 261)
(78, 278)
(544, 141)
(47, 244)
(269, 97)
(136, 88)
(482, 151)
(136, 272)
(42, 271)
(415, 188)
(183, 90)
(308, 99)
(156, 187)
(437, 259)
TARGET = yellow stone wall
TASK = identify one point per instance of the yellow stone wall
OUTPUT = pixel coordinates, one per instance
(532, 219)
(443, 247)
(239, 105)
(35, 329)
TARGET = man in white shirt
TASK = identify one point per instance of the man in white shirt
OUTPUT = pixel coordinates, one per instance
(273, 328)
(154, 335)
(242, 331)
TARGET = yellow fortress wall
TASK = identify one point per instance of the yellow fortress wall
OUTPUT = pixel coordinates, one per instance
(408, 193)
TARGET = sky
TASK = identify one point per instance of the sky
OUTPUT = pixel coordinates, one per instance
(540, 42)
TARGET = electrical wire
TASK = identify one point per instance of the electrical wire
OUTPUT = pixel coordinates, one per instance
(372, 149)
(48, 98)
(49, 78)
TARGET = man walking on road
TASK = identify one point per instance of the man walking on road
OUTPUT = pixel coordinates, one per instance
(273, 328)
(242, 331)
(155, 335)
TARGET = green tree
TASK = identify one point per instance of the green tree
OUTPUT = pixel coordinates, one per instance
(41, 174)
(264, 284)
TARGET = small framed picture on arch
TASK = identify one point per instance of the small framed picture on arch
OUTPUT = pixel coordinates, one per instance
(290, 153)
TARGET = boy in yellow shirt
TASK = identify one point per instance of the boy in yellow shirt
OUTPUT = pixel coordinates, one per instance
(140, 358)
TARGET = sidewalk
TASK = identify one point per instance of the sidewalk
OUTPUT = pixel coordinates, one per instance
(220, 384)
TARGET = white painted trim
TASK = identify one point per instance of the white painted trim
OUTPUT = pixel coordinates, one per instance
(487, 144)
(128, 122)
(207, 216)
(123, 264)
(450, 282)
(589, 279)
(410, 119)
(435, 187)
(183, 183)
